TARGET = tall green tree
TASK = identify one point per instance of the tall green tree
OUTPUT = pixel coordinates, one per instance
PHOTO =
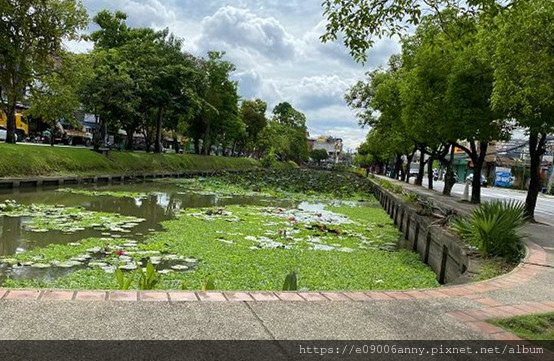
(470, 85)
(448, 92)
(290, 139)
(220, 100)
(378, 104)
(253, 116)
(157, 74)
(523, 62)
(31, 35)
(360, 23)
(318, 155)
(285, 114)
(56, 95)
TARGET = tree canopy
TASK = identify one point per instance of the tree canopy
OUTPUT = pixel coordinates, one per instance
(31, 35)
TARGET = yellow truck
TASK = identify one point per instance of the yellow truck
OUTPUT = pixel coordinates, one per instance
(22, 128)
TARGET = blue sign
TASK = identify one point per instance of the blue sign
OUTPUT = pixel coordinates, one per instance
(503, 179)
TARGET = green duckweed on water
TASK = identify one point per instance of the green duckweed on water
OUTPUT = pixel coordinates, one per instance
(339, 247)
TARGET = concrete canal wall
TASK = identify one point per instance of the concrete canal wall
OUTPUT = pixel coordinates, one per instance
(441, 249)
(36, 182)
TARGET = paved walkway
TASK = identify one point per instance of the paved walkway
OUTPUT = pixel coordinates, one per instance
(447, 313)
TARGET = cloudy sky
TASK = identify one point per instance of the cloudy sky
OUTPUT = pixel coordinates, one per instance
(275, 47)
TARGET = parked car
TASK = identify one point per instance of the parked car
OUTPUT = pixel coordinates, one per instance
(414, 171)
(484, 181)
(4, 134)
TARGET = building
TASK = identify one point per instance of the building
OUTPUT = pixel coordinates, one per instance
(463, 165)
(333, 146)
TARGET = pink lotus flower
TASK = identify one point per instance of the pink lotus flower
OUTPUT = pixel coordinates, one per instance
(120, 253)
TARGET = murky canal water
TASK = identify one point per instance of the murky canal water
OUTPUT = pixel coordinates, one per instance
(162, 202)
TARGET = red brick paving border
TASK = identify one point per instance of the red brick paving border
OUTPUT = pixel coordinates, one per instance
(153, 296)
(523, 273)
(475, 318)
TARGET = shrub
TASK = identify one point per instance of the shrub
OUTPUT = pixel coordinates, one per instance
(386, 184)
(494, 228)
(397, 188)
(292, 164)
(269, 159)
(411, 197)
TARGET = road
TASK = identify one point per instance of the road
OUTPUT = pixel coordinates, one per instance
(544, 212)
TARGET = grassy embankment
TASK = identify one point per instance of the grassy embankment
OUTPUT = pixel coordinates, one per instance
(26, 160)
(531, 327)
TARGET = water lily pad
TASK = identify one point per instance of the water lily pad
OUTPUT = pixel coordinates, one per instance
(10, 261)
(225, 241)
(97, 264)
(323, 247)
(180, 267)
(40, 265)
(109, 269)
(68, 264)
(129, 267)
(129, 225)
(79, 259)
(345, 249)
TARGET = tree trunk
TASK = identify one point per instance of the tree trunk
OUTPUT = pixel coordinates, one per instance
(397, 166)
(98, 136)
(176, 145)
(158, 144)
(419, 178)
(536, 149)
(408, 168)
(449, 179)
(478, 161)
(11, 125)
(52, 134)
(430, 170)
(206, 141)
(197, 146)
(129, 144)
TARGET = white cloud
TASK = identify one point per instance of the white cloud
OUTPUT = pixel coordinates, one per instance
(249, 83)
(231, 28)
(140, 13)
(321, 91)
